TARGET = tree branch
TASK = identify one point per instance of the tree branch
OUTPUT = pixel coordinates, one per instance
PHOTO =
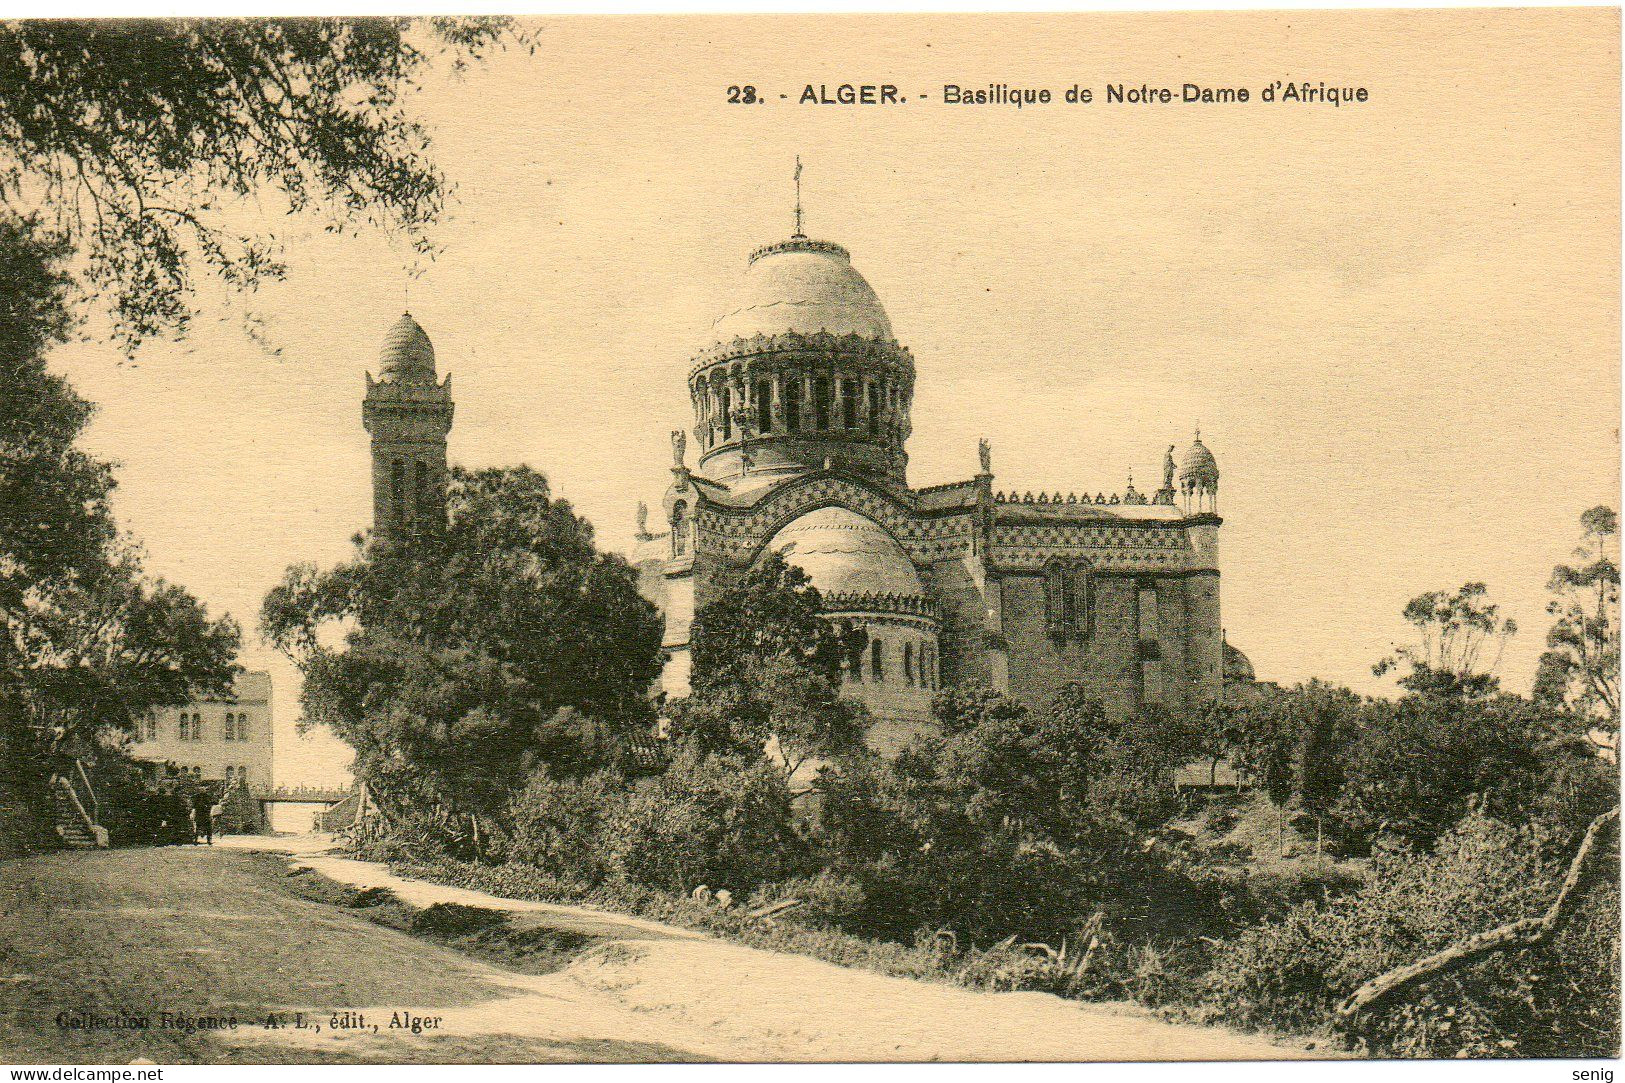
(1526, 933)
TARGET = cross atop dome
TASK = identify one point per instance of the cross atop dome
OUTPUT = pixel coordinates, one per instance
(798, 234)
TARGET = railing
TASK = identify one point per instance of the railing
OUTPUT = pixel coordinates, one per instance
(78, 805)
(305, 793)
(95, 802)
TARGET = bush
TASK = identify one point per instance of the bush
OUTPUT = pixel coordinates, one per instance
(715, 820)
(557, 821)
(1549, 1001)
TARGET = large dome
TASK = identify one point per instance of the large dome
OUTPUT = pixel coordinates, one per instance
(407, 353)
(845, 553)
(802, 286)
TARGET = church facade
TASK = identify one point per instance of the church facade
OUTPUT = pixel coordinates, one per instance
(801, 400)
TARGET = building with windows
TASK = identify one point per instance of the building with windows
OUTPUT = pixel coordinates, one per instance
(215, 739)
(801, 399)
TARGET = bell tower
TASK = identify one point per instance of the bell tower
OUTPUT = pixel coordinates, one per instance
(408, 412)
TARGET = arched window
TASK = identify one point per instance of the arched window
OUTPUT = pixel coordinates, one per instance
(849, 405)
(821, 404)
(877, 661)
(764, 406)
(726, 403)
(908, 663)
(854, 659)
(874, 411)
(792, 404)
(397, 488)
(679, 528)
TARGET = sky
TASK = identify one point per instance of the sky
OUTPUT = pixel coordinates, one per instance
(1396, 322)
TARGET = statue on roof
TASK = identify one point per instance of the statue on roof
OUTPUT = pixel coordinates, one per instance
(643, 519)
(679, 448)
(1168, 468)
(984, 452)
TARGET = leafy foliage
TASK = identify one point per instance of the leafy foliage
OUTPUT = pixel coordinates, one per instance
(1010, 821)
(767, 668)
(1561, 1000)
(469, 658)
(1454, 630)
(141, 141)
(721, 821)
(1580, 669)
(90, 643)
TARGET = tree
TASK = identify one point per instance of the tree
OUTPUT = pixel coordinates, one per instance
(1580, 668)
(1455, 629)
(457, 664)
(103, 646)
(1417, 765)
(767, 669)
(139, 142)
(1008, 820)
(89, 644)
(1291, 741)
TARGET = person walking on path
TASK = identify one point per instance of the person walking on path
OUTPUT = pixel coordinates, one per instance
(203, 813)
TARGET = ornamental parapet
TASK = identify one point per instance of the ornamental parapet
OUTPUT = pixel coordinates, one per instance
(879, 602)
(1051, 499)
(885, 353)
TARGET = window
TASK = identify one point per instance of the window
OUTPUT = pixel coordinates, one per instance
(821, 404)
(877, 661)
(849, 405)
(228, 732)
(423, 501)
(792, 404)
(908, 663)
(1067, 600)
(928, 665)
(874, 411)
(679, 528)
(397, 488)
(727, 414)
(854, 659)
(242, 726)
(152, 729)
(764, 406)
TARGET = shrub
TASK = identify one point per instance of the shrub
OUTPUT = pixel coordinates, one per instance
(557, 821)
(1548, 1001)
(716, 820)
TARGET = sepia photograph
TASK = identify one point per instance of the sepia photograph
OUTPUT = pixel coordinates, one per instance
(823, 538)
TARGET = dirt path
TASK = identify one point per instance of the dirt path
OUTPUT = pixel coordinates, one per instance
(219, 931)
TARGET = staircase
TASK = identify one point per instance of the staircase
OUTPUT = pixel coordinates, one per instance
(74, 826)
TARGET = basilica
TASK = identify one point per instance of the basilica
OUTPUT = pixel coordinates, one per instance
(801, 399)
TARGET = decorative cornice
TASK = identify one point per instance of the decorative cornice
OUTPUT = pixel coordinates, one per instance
(799, 243)
(886, 352)
(837, 603)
